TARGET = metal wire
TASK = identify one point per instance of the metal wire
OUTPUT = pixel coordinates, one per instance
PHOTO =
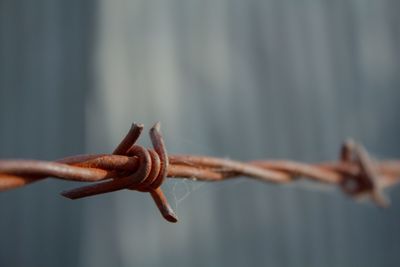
(137, 168)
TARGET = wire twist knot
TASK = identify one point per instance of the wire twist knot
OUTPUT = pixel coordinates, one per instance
(365, 181)
(146, 176)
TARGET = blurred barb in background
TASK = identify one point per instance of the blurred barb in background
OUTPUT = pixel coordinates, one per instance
(241, 79)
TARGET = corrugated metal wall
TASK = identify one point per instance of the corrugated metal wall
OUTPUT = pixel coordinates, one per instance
(240, 79)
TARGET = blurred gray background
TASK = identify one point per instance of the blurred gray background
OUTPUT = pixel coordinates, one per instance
(238, 79)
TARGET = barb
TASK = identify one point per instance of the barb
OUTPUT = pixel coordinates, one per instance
(134, 167)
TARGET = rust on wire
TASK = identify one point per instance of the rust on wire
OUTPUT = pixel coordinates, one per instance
(134, 167)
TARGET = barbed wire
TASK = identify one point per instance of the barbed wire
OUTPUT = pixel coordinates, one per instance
(134, 167)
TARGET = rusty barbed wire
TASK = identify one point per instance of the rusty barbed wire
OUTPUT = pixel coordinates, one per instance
(134, 167)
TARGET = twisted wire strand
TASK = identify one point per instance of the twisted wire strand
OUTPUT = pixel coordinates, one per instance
(134, 167)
